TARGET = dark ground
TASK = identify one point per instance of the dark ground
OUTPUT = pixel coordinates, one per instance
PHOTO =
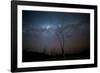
(28, 56)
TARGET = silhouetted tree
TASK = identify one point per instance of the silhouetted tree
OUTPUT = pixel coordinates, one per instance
(62, 30)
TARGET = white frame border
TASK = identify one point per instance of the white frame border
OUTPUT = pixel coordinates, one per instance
(52, 63)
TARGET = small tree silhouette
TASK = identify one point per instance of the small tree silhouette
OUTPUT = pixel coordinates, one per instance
(60, 33)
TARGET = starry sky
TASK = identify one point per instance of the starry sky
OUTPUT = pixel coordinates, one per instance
(43, 30)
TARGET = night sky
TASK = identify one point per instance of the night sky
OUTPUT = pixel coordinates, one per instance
(45, 32)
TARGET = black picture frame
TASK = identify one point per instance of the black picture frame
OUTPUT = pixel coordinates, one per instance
(14, 26)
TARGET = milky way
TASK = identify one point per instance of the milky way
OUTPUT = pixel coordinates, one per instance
(44, 31)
